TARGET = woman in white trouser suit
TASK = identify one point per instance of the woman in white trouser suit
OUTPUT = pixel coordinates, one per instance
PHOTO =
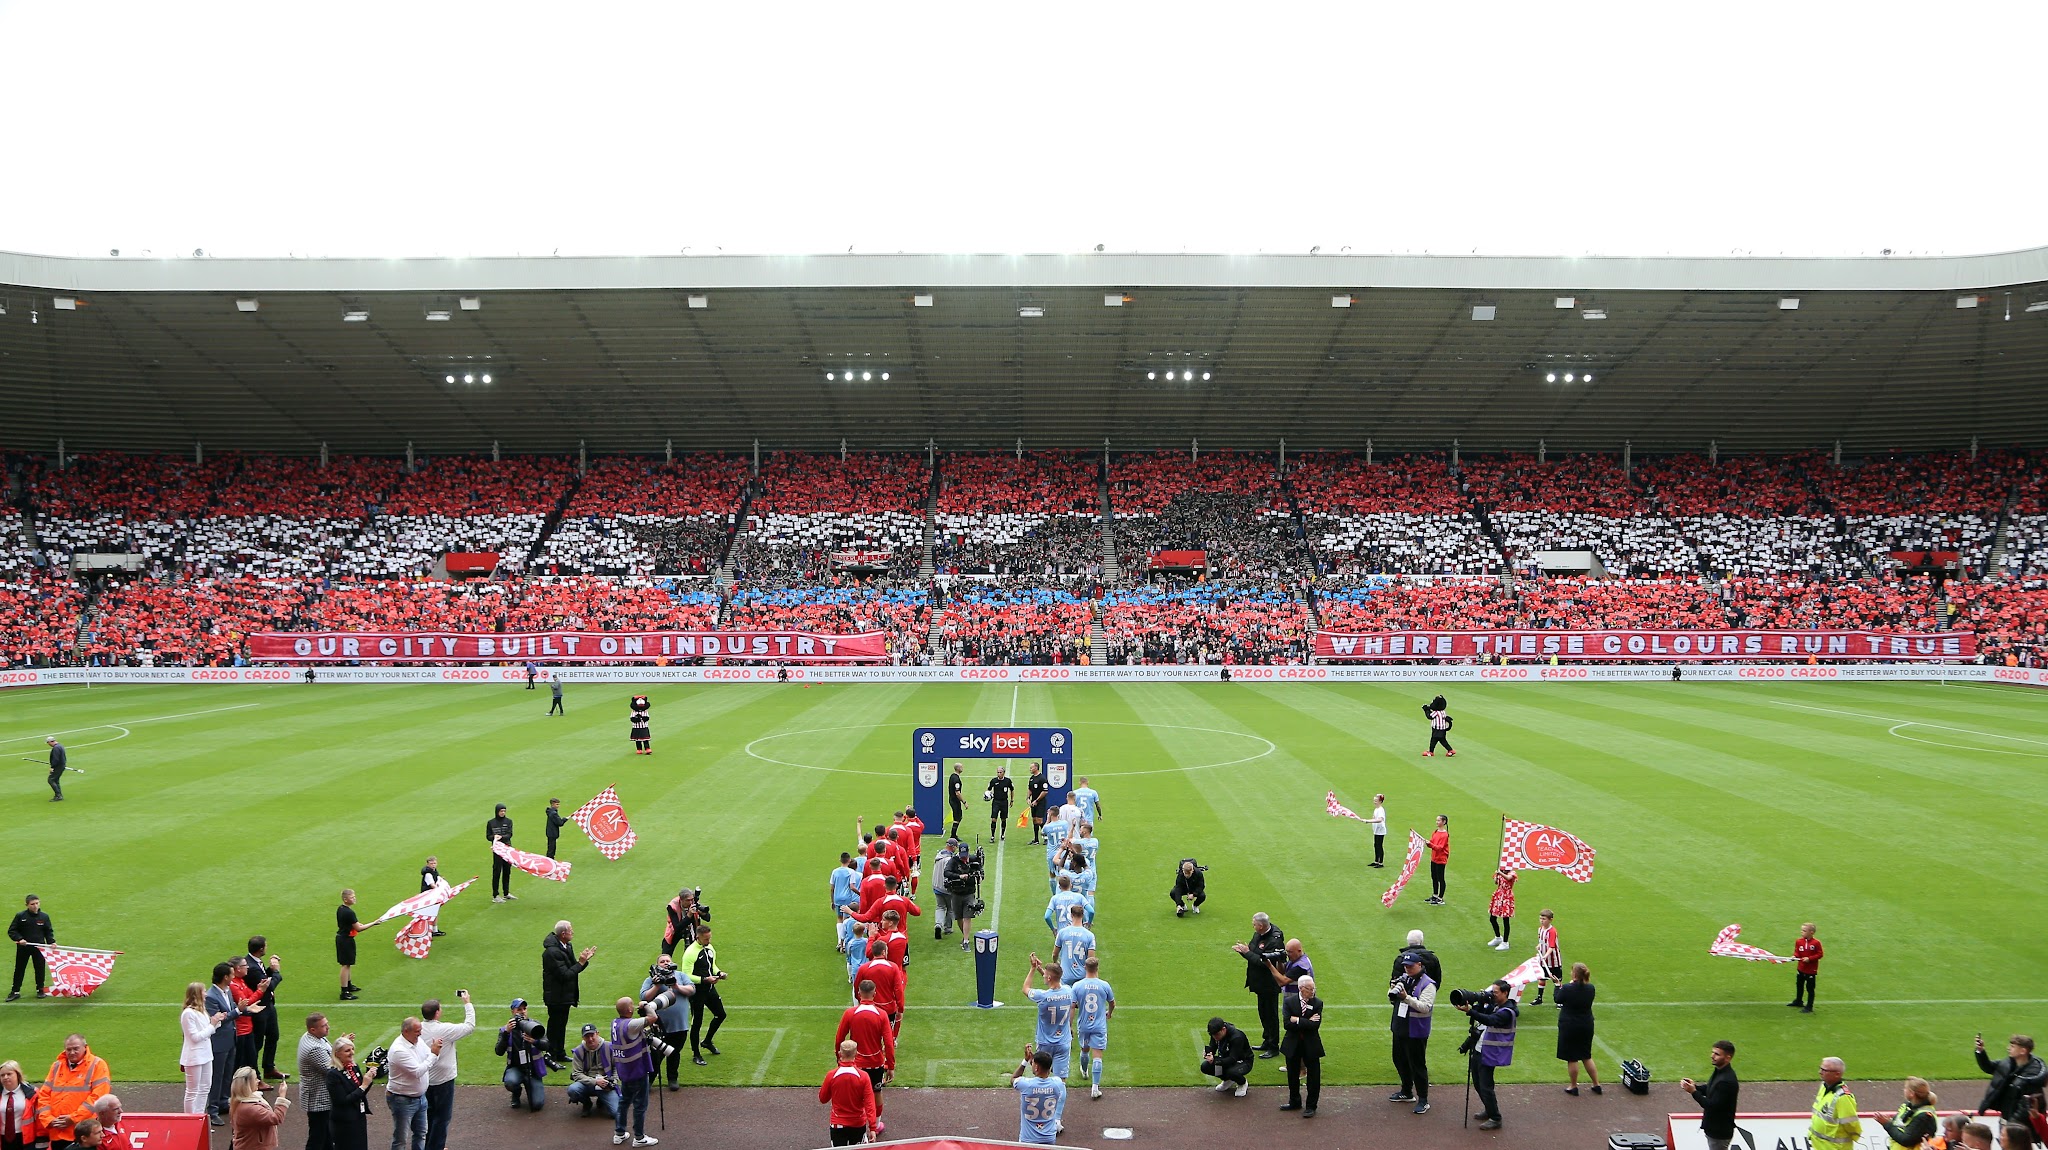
(197, 1057)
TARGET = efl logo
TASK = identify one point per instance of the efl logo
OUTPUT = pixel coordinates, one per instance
(1012, 743)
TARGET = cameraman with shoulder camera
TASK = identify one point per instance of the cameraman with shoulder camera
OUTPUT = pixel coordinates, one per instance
(1491, 1045)
(523, 1043)
(957, 878)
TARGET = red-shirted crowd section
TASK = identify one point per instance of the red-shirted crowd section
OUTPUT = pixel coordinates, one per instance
(238, 543)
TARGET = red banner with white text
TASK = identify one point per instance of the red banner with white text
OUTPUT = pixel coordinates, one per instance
(1646, 646)
(564, 646)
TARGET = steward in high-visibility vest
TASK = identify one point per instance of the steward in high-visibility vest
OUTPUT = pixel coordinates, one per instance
(1835, 1125)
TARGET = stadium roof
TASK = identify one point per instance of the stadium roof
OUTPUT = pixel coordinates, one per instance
(630, 354)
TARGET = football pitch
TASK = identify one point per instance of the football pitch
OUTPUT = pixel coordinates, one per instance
(1904, 819)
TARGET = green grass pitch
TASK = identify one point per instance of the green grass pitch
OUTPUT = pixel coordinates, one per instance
(1903, 819)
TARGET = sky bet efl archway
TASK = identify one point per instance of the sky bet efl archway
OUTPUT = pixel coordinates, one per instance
(979, 751)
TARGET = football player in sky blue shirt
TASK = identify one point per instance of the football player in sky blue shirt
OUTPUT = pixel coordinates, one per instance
(1085, 797)
(1094, 1002)
(1056, 833)
(1077, 945)
(845, 883)
(1055, 1014)
(1041, 1099)
(1066, 896)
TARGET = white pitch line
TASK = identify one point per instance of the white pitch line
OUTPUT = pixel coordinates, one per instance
(1197, 1008)
(768, 1057)
(1912, 723)
(156, 719)
(996, 915)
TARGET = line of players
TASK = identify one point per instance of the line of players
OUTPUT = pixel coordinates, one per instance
(1075, 1005)
(874, 891)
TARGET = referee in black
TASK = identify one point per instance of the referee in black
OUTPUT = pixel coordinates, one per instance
(499, 830)
(953, 798)
(1038, 791)
(997, 795)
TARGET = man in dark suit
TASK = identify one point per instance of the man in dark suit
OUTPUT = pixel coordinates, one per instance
(556, 821)
(1266, 951)
(265, 975)
(1304, 1046)
(1717, 1097)
(499, 830)
(560, 985)
(220, 1001)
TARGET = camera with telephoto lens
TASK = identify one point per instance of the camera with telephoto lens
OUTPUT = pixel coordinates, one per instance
(668, 976)
(647, 1027)
(1463, 997)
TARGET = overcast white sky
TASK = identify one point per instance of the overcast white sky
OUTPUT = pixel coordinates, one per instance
(422, 128)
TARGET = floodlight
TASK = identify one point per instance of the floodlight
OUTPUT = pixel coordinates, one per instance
(1031, 311)
(1568, 377)
(469, 379)
(246, 305)
(921, 300)
(1588, 378)
(439, 316)
(471, 303)
(1788, 303)
(1482, 312)
(1566, 302)
(1205, 377)
(1187, 377)
(357, 316)
(1116, 300)
(1550, 377)
(1340, 301)
(451, 379)
(866, 376)
(487, 377)
(64, 304)
(885, 377)
(700, 301)
(829, 377)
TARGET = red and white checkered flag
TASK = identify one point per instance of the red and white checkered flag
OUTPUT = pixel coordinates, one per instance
(421, 902)
(1338, 810)
(1725, 946)
(75, 972)
(416, 937)
(539, 866)
(604, 820)
(1415, 848)
(1533, 846)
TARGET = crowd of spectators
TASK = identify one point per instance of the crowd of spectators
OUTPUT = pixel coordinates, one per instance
(1212, 622)
(241, 543)
(1011, 623)
(1390, 542)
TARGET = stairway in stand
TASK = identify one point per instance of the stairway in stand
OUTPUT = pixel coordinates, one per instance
(1112, 571)
(1098, 644)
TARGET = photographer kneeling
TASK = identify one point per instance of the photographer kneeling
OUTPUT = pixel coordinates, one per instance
(1188, 883)
(593, 1084)
(1491, 1044)
(524, 1043)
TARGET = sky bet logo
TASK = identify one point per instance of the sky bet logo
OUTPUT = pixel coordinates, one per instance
(999, 742)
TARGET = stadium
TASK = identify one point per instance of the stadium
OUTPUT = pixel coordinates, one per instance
(1731, 571)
